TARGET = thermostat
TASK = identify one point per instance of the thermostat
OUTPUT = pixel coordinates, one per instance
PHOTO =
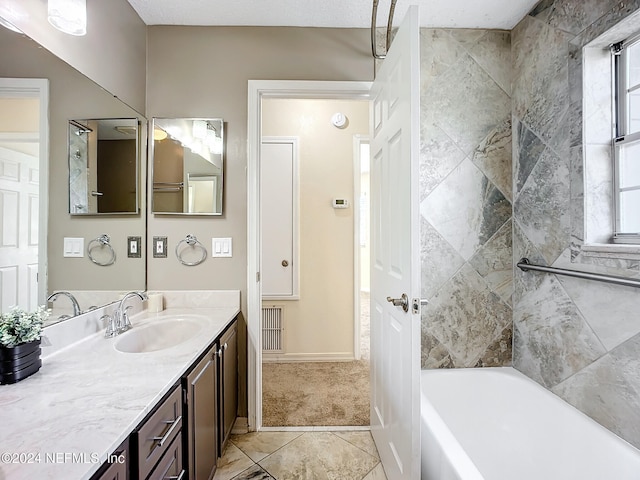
(340, 203)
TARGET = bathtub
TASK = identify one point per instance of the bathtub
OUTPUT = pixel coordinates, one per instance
(497, 424)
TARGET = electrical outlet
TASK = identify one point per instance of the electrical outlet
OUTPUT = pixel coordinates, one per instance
(134, 247)
(160, 247)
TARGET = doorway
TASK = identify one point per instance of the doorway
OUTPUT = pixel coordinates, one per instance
(259, 91)
(312, 371)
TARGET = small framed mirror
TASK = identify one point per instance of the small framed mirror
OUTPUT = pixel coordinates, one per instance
(103, 166)
(187, 166)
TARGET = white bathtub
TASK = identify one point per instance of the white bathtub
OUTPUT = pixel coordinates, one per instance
(497, 424)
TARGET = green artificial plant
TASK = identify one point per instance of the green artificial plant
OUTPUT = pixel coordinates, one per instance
(18, 326)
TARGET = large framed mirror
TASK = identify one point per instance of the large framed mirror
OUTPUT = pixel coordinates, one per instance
(103, 166)
(48, 222)
(188, 164)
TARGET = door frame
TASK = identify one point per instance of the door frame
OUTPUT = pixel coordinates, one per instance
(257, 90)
(358, 141)
(36, 88)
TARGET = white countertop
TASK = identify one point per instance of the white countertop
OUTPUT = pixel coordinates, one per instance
(63, 421)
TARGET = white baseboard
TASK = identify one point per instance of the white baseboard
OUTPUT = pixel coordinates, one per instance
(308, 357)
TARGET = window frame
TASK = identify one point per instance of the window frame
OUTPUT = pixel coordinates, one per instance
(622, 137)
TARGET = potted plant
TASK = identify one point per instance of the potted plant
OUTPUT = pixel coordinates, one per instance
(20, 333)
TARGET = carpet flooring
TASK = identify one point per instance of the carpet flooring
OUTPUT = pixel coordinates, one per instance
(315, 394)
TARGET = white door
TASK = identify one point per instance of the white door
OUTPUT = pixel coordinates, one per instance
(19, 205)
(279, 201)
(395, 257)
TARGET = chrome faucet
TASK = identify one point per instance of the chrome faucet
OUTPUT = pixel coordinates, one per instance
(125, 324)
(74, 302)
(119, 322)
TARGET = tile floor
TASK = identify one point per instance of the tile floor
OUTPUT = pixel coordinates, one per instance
(334, 455)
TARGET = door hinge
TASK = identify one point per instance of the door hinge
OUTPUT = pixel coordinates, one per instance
(257, 276)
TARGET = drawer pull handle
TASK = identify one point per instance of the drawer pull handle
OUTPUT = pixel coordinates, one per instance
(174, 424)
(178, 477)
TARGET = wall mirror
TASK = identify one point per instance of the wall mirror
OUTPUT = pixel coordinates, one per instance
(47, 222)
(188, 164)
(103, 166)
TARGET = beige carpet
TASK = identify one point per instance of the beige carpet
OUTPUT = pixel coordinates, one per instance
(315, 394)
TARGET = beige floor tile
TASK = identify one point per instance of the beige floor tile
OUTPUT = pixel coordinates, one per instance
(254, 473)
(376, 474)
(257, 445)
(361, 439)
(319, 456)
(232, 463)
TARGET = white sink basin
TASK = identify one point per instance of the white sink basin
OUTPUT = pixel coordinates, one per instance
(160, 334)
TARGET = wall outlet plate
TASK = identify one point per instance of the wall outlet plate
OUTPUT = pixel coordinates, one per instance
(134, 247)
(159, 247)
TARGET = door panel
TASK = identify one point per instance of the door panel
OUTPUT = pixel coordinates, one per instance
(395, 333)
(279, 197)
(19, 237)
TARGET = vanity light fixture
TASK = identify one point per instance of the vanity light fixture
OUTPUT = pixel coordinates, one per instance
(159, 134)
(68, 16)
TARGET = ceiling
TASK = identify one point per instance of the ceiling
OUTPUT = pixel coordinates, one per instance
(499, 14)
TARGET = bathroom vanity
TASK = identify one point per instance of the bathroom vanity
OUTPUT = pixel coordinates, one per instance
(124, 408)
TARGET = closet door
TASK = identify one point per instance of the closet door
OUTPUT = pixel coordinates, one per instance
(279, 217)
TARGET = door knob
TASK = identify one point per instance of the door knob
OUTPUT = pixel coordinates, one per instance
(403, 302)
(285, 263)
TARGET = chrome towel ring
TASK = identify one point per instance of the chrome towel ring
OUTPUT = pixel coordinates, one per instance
(190, 241)
(103, 241)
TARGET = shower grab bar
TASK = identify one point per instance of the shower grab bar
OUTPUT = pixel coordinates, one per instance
(374, 16)
(525, 266)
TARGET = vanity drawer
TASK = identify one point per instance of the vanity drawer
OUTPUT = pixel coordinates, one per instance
(156, 434)
(170, 466)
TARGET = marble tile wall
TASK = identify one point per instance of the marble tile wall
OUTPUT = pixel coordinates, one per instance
(578, 338)
(466, 198)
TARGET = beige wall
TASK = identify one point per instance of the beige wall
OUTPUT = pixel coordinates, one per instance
(112, 53)
(203, 71)
(320, 324)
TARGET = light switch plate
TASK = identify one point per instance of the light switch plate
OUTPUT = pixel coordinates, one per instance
(160, 247)
(73, 247)
(134, 247)
(222, 247)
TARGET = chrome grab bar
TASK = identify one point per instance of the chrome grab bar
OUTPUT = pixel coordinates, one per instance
(374, 15)
(525, 266)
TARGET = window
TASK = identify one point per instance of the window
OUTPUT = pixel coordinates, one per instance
(626, 141)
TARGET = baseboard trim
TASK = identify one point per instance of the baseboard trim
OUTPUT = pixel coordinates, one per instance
(308, 357)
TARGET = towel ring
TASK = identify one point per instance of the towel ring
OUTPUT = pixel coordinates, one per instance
(193, 242)
(101, 242)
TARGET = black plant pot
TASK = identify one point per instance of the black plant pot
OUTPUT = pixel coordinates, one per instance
(17, 363)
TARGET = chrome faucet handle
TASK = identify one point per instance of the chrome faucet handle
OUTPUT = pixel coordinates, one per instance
(110, 331)
(126, 323)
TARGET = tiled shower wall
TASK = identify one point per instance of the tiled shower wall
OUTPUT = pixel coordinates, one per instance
(466, 198)
(579, 338)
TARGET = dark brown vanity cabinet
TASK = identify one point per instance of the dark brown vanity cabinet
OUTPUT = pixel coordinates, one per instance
(211, 402)
(201, 400)
(117, 465)
(228, 353)
(155, 441)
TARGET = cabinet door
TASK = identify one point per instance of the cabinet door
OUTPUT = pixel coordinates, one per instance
(229, 381)
(201, 385)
